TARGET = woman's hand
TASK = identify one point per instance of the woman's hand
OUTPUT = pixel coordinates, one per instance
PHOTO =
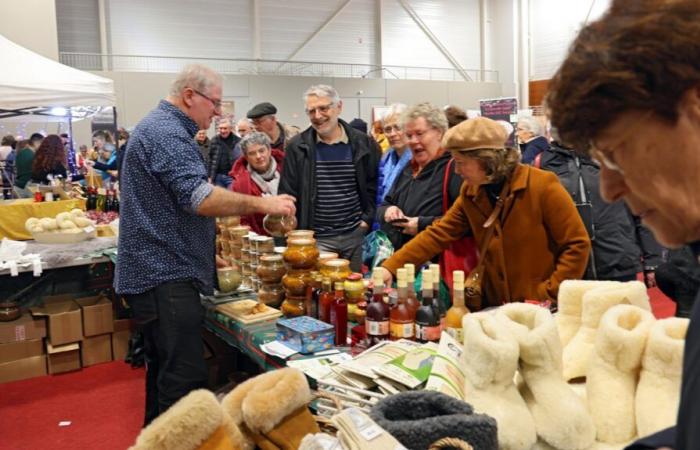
(410, 226)
(392, 213)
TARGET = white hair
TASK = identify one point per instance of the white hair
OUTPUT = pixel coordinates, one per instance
(395, 111)
(195, 76)
(531, 124)
(244, 120)
(255, 138)
(322, 90)
(432, 114)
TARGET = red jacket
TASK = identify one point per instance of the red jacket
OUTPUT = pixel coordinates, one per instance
(243, 184)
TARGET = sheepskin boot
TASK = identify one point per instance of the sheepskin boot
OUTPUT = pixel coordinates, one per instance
(196, 421)
(271, 409)
(614, 370)
(569, 303)
(659, 388)
(596, 302)
(561, 418)
(490, 360)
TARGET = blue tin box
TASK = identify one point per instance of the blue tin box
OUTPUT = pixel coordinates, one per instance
(305, 334)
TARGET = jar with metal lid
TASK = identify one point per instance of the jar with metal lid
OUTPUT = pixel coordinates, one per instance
(301, 253)
(354, 288)
(265, 244)
(304, 234)
(271, 268)
(325, 256)
(236, 233)
(336, 269)
(271, 294)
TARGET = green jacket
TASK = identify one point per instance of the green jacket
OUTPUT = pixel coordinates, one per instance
(23, 165)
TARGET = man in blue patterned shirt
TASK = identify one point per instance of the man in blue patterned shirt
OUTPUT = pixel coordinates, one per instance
(166, 248)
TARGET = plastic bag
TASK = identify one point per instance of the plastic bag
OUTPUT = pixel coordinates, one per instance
(376, 247)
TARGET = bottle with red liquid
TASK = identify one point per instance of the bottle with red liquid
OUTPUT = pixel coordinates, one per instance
(435, 270)
(377, 320)
(339, 314)
(427, 316)
(325, 299)
(401, 319)
(412, 299)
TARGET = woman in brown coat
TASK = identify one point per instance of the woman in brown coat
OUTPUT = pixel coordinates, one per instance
(538, 240)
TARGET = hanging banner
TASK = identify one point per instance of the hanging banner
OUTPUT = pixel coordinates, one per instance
(503, 110)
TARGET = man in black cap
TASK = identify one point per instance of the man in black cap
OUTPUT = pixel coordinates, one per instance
(263, 117)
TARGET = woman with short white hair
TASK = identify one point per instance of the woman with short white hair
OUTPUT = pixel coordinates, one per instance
(530, 133)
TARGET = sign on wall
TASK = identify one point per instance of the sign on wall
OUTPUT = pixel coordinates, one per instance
(503, 110)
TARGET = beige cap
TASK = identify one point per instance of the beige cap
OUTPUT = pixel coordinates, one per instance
(473, 134)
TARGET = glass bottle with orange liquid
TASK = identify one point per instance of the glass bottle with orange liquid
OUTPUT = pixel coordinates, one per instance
(402, 322)
(412, 299)
(325, 299)
(453, 319)
(377, 320)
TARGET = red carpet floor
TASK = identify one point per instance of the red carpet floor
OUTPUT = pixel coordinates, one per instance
(104, 404)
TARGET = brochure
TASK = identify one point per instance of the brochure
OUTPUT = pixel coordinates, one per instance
(447, 375)
(377, 355)
(411, 369)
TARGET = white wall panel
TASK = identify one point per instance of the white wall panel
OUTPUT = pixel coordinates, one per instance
(78, 26)
(211, 28)
(554, 25)
(454, 22)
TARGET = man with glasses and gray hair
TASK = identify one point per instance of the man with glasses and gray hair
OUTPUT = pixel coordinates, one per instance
(167, 230)
(331, 169)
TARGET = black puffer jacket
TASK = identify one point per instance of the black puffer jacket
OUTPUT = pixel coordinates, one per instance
(419, 196)
(622, 247)
(222, 154)
(299, 173)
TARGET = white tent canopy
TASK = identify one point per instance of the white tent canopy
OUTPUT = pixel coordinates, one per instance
(30, 83)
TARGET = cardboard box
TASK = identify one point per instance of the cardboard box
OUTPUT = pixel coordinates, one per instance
(120, 339)
(24, 328)
(96, 349)
(20, 350)
(97, 315)
(64, 318)
(22, 369)
(63, 358)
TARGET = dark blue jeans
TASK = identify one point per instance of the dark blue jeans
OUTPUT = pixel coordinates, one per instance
(170, 317)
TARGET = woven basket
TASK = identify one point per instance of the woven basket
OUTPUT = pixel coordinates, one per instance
(450, 443)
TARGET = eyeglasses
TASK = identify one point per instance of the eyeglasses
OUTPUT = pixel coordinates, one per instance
(215, 103)
(606, 157)
(323, 109)
(389, 128)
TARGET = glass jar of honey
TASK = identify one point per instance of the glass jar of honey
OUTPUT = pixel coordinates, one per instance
(336, 269)
(271, 294)
(354, 288)
(271, 268)
(295, 282)
(301, 253)
(293, 306)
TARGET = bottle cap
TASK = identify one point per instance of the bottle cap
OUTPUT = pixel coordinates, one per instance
(401, 278)
(435, 269)
(378, 276)
(427, 279)
(339, 286)
(410, 272)
(458, 280)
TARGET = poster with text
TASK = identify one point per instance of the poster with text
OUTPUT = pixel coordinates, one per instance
(504, 110)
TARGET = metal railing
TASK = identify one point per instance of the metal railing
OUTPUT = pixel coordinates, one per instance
(137, 63)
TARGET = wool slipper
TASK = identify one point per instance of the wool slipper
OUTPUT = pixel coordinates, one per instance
(271, 409)
(659, 388)
(196, 421)
(561, 417)
(569, 304)
(612, 376)
(596, 302)
(490, 362)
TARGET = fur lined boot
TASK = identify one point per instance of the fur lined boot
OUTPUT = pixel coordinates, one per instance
(612, 377)
(271, 409)
(569, 302)
(196, 421)
(659, 388)
(561, 417)
(490, 363)
(596, 302)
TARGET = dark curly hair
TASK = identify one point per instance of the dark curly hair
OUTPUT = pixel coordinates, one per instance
(641, 55)
(48, 155)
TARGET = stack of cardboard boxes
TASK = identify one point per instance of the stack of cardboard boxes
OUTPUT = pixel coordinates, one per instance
(79, 332)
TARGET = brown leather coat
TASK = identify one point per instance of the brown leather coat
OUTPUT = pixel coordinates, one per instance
(539, 242)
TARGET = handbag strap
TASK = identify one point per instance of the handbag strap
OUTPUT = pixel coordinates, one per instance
(445, 183)
(488, 225)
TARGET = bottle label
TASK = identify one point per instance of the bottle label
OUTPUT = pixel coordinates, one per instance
(375, 328)
(456, 333)
(402, 330)
(427, 333)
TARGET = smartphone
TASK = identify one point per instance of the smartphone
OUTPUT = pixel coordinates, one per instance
(399, 220)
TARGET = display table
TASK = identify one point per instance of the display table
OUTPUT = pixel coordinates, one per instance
(14, 213)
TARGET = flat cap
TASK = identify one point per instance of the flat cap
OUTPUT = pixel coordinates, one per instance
(473, 134)
(261, 109)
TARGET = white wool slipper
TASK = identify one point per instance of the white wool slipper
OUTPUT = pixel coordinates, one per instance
(659, 388)
(569, 304)
(196, 421)
(596, 302)
(561, 417)
(490, 360)
(614, 369)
